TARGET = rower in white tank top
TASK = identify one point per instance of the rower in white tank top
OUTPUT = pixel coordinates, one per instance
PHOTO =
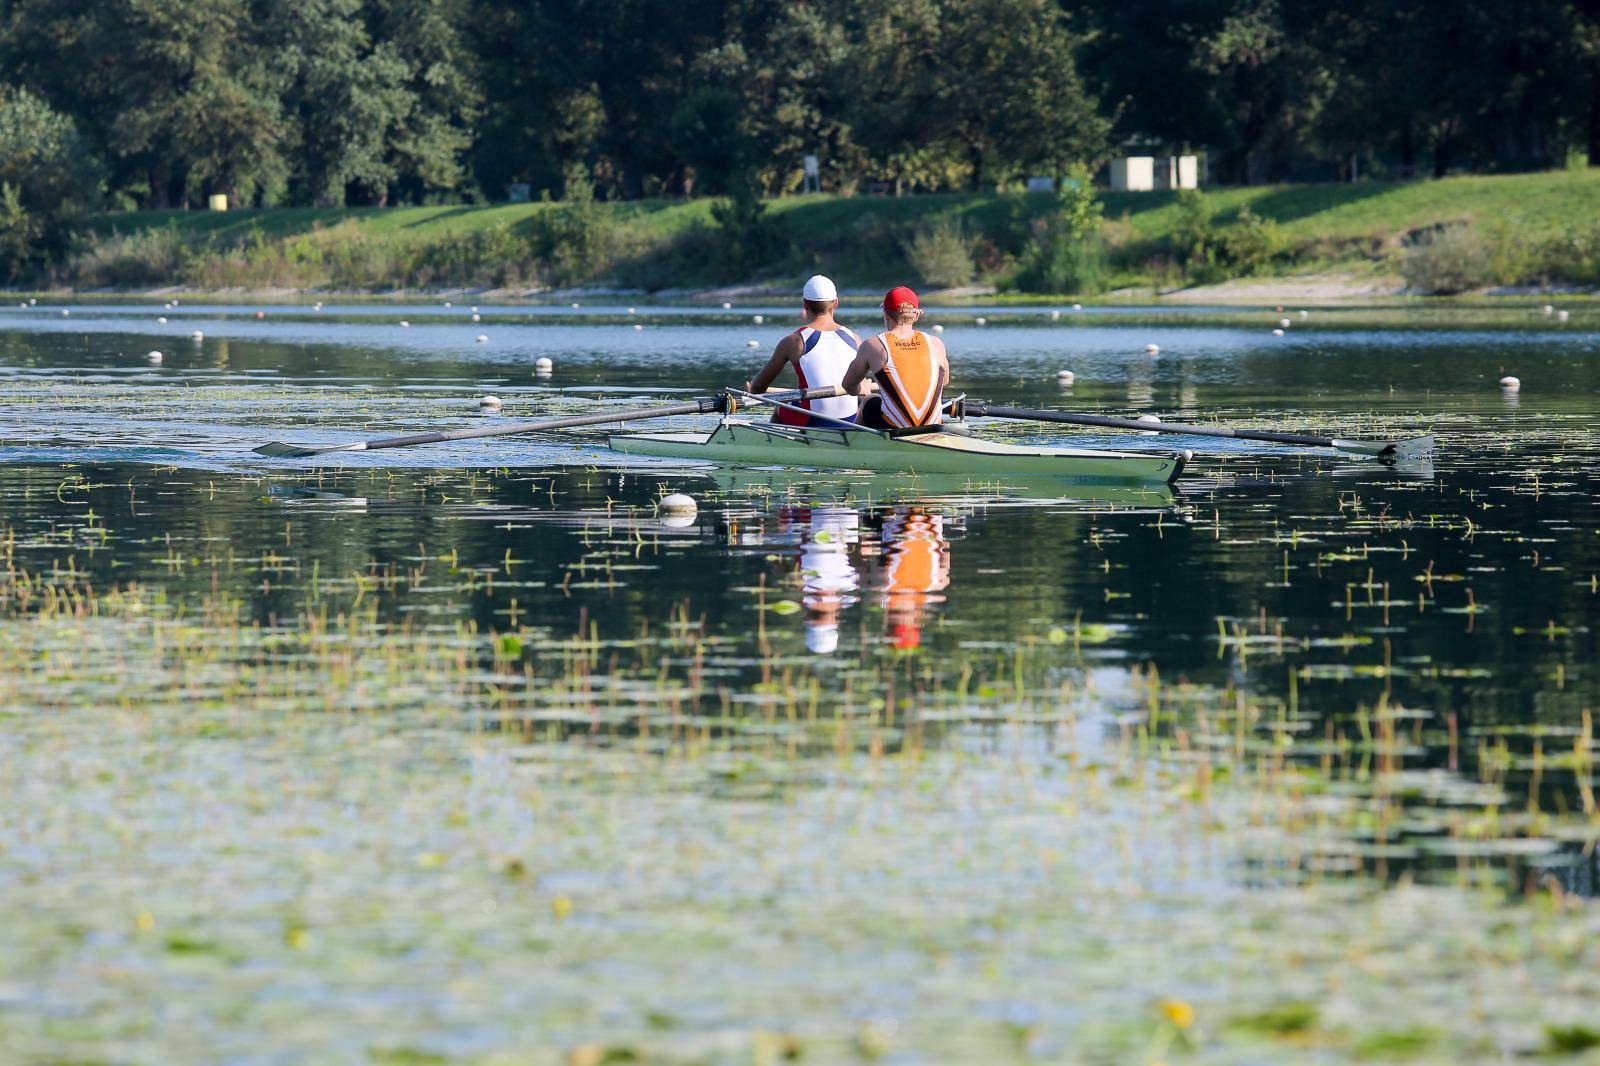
(820, 352)
(825, 354)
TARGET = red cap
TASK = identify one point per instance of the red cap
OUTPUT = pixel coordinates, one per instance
(896, 297)
(906, 635)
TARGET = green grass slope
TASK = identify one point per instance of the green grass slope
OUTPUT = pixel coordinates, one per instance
(1322, 223)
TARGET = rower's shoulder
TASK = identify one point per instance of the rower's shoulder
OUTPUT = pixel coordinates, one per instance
(935, 343)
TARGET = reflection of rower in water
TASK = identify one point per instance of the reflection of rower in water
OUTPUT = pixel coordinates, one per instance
(828, 579)
(916, 568)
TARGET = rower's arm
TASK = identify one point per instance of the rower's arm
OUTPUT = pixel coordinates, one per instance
(782, 353)
(869, 358)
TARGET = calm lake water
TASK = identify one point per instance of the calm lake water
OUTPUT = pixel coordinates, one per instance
(1414, 646)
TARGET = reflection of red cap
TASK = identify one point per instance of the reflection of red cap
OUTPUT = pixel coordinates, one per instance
(906, 635)
(896, 297)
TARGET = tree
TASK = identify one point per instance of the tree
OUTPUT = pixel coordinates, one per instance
(958, 77)
(48, 179)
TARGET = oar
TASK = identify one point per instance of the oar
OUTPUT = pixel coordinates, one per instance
(1383, 449)
(707, 405)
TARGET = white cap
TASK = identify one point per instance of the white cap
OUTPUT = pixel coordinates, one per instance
(822, 638)
(820, 289)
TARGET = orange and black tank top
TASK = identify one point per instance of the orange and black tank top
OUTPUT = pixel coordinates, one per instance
(911, 381)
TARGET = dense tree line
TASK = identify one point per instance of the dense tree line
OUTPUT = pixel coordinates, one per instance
(156, 103)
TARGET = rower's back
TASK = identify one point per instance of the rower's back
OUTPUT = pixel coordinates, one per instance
(825, 355)
(912, 381)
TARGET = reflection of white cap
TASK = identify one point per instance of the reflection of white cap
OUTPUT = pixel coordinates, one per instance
(820, 289)
(822, 638)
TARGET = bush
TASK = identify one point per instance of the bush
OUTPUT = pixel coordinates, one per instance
(1573, 256)
(143, 258)
(749, 239)
(577, 240)
(1067, 253)
(1449, 260)
(1251, 244)
(941, 253)
(1211, 253)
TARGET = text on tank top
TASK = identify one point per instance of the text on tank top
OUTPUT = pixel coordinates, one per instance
(912, 381)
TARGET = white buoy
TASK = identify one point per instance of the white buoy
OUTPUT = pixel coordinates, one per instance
(938, 328)
(752, 344)
(483, 338)
(1304, 313)
(758, 319)
(477, 318)
(544, 364)
(33, 301)
(1549, 310)
(317, 306)
(174, 303)
(1065, 377)
(197, 335)
(1283, 323)
(1562, 316)
(489, 403)
(678, 503)
(474, 308)
(1277, 333)
(1077, 307)
(1055, 316)
(65, 312)
(727, 306)
(447, 303)
(404, 324)
(1149, 418)
(23, 305)
(162, 320)
(631, 311)
(1510, 383)
(980, 321)
(153, 357)
(574, 305)
(166, 306)
(1152, 349)
(638, 325)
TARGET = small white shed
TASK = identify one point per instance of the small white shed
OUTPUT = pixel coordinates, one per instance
(1133, 173)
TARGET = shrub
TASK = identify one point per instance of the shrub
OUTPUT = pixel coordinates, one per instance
(941, 254)
(1448, 260)
(146, 257)
(1068, 251)
(1210, 253)
(749, 239)
(1251, 244)
(1572, 256)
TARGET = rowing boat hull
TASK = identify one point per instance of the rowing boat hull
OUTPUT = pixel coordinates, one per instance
(753, 444)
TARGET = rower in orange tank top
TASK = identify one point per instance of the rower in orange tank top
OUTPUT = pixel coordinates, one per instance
(910, 367)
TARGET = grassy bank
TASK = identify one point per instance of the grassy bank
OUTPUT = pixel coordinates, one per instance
(1449, 235)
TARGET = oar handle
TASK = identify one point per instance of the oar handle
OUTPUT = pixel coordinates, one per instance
(979, 407)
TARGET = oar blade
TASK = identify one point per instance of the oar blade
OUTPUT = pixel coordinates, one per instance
(279, 450)
(1411, 448)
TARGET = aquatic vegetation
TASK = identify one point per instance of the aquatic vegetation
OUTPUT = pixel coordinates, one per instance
(490, 762)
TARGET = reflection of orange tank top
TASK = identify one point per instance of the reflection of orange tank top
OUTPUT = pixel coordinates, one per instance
(912, 381)
(917, 563)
